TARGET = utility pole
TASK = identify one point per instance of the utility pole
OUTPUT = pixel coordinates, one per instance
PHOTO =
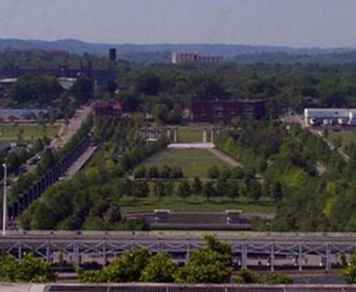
(4, 207)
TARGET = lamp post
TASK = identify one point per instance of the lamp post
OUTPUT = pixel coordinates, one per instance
(4, 210)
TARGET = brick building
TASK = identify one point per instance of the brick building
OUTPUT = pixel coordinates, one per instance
(194, 58)
(108, 108)
(223, 110)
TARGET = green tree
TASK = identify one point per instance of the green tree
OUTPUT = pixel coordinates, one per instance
(255, 190)
(184, 189)
(153, 172)
(140, 189)
(140, 172)
(214, 172)
(223, 187)
(28, 269)
(350, 271)
(159, 269)
(177, 172)
(209, 190)
(127, 268)
(83, 89)
(148, 83)
(42, 90)
(197, 186)
(166, 172)
(160, 113)
(207, 265)
(159, 189)
(276, 192)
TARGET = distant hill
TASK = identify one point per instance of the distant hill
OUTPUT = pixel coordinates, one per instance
(161, 52)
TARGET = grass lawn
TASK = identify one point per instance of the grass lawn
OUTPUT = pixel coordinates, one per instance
(342, 138)
(10, 132)
(194, 162)
(194, 203)
(190, 135)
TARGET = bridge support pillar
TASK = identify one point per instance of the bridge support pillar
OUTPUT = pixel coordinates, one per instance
(48, 253)
(300, 257)
(272, 258)
(19, 252)
(187, 255)
(327, 259)
(76, 255)
(105, 257)
(244, 256)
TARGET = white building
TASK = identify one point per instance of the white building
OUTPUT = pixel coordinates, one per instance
(329, 117)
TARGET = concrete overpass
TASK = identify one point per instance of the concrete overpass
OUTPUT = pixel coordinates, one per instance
(246, 246)
(62, 287)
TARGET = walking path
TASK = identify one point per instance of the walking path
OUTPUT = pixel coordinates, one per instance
(80, 162)
(222, 156)
(66, 132)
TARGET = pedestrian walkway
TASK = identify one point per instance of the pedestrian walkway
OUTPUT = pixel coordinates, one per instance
(222, 156)
(80, 162)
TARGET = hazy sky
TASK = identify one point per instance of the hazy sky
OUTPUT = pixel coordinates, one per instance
(326, 23)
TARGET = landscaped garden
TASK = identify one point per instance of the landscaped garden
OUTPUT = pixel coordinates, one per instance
(193, 162)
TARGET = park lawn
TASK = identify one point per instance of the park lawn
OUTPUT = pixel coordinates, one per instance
(342, 138)
(195, 204)
(10, 132)
(194, 162)
(190, 135)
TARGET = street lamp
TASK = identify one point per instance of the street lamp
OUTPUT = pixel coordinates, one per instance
(4, 208)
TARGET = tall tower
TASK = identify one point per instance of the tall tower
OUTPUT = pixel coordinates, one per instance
(174, 58)
(112, 54)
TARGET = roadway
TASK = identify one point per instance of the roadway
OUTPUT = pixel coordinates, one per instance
(183, 235)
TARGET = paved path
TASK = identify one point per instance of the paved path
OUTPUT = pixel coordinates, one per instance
(22, 287)
(296, 119)
(66, 132)
(222, 156)
(79, 163)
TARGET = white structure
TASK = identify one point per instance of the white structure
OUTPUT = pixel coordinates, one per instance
(66, 82)
(329, 117)
(191, 146)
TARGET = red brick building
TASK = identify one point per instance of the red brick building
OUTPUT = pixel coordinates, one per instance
(220, 110)
(108, 108)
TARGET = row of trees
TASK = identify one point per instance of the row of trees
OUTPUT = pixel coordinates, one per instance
(27, 269)
(289, 159)
(91, 200)
(211, 264)
(165, 172)
(164, 91)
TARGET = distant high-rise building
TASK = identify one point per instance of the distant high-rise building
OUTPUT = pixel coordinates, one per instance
(112, 54)
(195, 58)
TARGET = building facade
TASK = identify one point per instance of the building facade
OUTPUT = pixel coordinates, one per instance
(195, 58)
(329, 117)
(221, 110)
(108, 108)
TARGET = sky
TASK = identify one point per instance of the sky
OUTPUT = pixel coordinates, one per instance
(299, 23)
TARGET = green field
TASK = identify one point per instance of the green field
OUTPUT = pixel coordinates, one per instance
(190, 135)
(194, 203)
(194, 162)
(342, 138)
(11, 132)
